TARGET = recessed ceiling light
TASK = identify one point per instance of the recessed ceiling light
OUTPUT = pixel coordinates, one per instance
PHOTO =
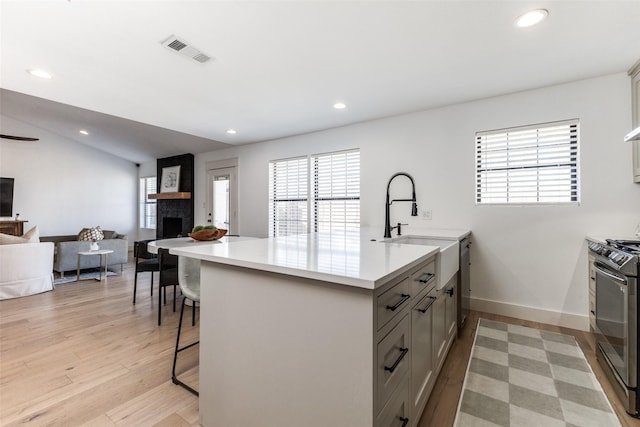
(339, 105)
(84, 132)
(39, 73)
(231, 131)
(532, 17)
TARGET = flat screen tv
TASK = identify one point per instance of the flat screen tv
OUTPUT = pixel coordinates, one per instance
(6, 197)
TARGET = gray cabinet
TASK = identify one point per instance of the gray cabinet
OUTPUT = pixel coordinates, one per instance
(444, 321)
(404, 361)
(422, 364)
(439, 329)
(464, 283)
(393, 360)
(396, 413)
(410, 327)
(401, 343)
(451, 311)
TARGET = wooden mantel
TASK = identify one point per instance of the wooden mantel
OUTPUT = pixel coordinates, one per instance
(166, 196)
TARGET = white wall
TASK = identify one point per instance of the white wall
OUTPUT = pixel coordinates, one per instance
(62, 186)
(521, 256)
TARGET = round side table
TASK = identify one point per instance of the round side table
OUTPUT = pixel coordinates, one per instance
(100, 253)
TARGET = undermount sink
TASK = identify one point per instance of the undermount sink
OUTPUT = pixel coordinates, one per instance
(447, 260)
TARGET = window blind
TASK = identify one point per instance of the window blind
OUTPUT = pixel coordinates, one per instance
(528, 165)
(333, 203)
(288, 196)
(147, 207)
(336, 191)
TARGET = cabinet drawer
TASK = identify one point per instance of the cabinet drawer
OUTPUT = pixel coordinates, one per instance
(423, 278)
(392, 302)
(393, 360)
(396, 412)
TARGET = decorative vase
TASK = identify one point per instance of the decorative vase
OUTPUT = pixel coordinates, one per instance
(94, 246)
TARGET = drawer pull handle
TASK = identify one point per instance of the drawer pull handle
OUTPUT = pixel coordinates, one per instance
(404, 298)
(426, 278)
(403, 352)
(428, 306)
(405, 421)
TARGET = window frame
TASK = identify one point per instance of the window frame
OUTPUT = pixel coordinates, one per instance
(347, 196)
(543, 145)
(144, 203)
(311, 200)
(274, 199)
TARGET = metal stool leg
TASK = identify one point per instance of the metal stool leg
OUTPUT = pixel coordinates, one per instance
(174, 378)
(174, 298)
(135, 284)
(159, 303)
(193, 314)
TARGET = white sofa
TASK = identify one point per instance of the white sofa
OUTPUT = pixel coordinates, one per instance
(25, 269)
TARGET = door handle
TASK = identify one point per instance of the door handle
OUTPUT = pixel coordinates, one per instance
(611, 276)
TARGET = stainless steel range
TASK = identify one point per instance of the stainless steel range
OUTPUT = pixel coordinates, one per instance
(616, 266)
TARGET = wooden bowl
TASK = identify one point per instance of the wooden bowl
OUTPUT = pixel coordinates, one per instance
(208, 234)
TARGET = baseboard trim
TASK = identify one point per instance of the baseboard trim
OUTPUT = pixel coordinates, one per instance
(567, 320)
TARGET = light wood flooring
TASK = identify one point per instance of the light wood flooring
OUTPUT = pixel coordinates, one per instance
(84, 355)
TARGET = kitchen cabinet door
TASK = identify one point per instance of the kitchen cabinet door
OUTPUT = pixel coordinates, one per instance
(451, 309)
(439, 329)
(422, 366)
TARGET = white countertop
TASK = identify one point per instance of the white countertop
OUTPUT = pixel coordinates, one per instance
(349, 258)
(188, 242)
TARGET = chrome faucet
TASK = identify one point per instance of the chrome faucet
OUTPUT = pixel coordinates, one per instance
(414, 206)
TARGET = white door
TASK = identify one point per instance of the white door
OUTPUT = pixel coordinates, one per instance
(222, 199)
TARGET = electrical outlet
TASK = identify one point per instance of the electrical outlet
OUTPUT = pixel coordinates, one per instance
(426, 214)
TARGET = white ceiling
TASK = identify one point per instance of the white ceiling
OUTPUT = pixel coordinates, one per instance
(280, 66)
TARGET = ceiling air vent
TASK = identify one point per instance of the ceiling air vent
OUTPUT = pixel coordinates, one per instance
(184, 48)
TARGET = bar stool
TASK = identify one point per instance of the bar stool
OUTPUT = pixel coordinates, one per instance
(168, 265)
(145, 261)
(189, 282)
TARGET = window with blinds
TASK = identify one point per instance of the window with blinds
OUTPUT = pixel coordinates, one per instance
(528, 165)
(336, 191)
(147, 207)
(288, 196)
(332, 203)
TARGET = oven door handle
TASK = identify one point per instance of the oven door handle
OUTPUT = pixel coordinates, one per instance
(610, 275)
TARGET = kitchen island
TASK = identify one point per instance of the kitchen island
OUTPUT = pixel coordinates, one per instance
(315, 330)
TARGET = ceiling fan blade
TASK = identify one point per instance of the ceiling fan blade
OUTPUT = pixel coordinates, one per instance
(19, 138)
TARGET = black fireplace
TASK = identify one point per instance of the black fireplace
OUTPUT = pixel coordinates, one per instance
(175, 215)
(171, 227)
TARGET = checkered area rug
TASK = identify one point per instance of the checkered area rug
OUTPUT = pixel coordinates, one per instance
(519, 376)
